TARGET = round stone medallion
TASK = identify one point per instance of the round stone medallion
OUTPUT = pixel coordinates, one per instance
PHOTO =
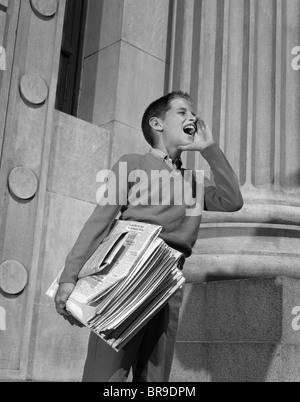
(13, 277)
(22, 183)
(33, 88)
(44, 8)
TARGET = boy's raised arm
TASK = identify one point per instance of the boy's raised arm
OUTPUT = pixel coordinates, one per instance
(225, 195)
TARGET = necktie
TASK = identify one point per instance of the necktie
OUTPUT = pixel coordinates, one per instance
(178, 164)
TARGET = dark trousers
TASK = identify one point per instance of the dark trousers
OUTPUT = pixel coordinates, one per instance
(149, 353)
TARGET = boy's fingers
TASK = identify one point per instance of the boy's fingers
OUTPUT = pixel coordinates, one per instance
(61, 308)
(61, 297)
(202, 124)
(204, 127)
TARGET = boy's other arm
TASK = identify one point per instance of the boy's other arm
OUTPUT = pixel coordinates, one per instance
(94, 231)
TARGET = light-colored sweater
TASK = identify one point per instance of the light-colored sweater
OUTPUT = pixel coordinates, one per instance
(179, 230)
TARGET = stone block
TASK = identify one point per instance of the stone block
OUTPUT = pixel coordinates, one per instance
(126, 140)
(190, 363)
(235, 362)
(40, 46)
(290, 356)
(244, 327)
(104, 25)
(290, 300)
(100, 81)
(145, 25)
(141, 23)
(29, 139)
(245, 362)
(66, 217)
(63, 357)
(11, 341)
(141, 81)
(120, 81)
(251, 310)
(79, 152)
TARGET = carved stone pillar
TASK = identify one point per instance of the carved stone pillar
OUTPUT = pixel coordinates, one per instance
(32, 33)
(235, 58)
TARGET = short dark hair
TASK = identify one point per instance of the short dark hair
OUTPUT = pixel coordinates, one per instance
(157, 109)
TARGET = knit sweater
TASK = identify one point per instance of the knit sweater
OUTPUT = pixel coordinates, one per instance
(137, 194)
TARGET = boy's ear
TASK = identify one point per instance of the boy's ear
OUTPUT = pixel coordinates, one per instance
(156, 124)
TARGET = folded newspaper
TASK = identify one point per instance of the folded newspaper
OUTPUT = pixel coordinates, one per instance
(130, 276)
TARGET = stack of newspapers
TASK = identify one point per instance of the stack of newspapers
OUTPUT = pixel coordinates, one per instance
(130, 276)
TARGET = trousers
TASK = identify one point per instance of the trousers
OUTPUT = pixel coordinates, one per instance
(148, 354)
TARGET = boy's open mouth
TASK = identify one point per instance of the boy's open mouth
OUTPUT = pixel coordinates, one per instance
(190, 129)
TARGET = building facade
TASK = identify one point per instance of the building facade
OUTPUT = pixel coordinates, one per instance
(75, 79)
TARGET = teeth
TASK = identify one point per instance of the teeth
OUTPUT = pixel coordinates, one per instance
(190, 129)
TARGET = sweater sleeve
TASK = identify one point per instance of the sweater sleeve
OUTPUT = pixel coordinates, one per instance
(97, 226)
(225, 195)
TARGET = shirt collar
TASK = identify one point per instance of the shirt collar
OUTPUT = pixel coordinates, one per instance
(160, 154)
(168, 160)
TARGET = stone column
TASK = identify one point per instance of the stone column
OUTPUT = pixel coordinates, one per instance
(33, 38)
(235, 58)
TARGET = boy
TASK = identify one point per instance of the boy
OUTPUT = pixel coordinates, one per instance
(170, 127)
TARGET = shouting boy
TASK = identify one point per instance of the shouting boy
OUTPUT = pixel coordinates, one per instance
(170, 126)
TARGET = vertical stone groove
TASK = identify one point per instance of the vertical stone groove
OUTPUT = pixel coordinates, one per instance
(234, 57)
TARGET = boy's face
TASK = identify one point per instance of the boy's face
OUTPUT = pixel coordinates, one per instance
(178, 121)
